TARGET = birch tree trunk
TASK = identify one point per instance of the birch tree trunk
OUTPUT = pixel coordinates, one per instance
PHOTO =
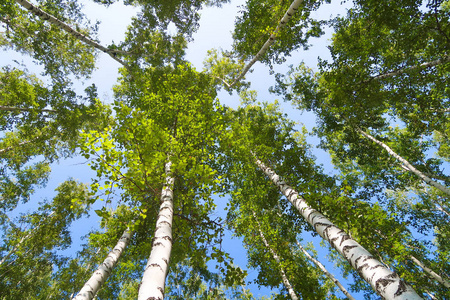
(45, 16)
(405, 163)
(4, 258)
(384, 281)
(325, 271)
(93, 285)
(275, 256)
(287, 16)
(10, 108)
(430, 272)
(421, 66)
(153, 280)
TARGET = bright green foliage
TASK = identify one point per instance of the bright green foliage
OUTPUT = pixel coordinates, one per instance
(28, 256)
(59, 52)
(389, 67)
(258, 20)
(222, 67)
(159, 14)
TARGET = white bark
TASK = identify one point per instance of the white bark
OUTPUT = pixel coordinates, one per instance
(421, 66)
(275, 256)
(45, 16)
(93, 285)
(10, 108)
(406, 164)
(287, 16)
(384, 281)
(430, 272)
(153, 280)
(325, 271)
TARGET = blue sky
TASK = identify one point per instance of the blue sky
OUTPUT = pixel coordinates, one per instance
(215, 29)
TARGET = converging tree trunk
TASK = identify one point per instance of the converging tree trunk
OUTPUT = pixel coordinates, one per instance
(153, 280)
(99, 277)
(30, 234)
(325, 271)
(287, 16)
(275, 256)
(430, 272)
(384, 281)
(421, 66)
(48, 17)
(11, 108)
(405, 163)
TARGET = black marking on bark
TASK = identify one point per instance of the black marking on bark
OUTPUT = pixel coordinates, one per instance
(401, 286)
(157, 244)
(166, 261)
(168, 238)
(154, 298)
(166, 222)
(155, 265)
(290, 15)
(347, 249)
(161, 290)
(382, 283)
(344, 238)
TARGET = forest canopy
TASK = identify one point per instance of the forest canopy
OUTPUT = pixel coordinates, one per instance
(174, 178)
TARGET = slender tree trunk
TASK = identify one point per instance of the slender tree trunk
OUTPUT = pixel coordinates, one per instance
(92, 286)
(405, 163)
(430, 272)
(275, 256)
(421, 66)
(12, 108)
(4, 258)
(384, 281)
(325, 271)
(153, 280)
(287, 16)
(45, 16)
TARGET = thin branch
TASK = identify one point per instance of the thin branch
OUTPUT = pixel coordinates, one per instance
(421, 66)
(287, 16)
(47, 17)
(430, 272)
(12, 108)
(325, 271)
(406, 164)
(275, 256)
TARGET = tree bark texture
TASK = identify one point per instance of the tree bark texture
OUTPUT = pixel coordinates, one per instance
(93, 285)
(384, 281)
(405, 163)
(153, 280)
(287, 16)
(325, 271)
(275, 256)
(45, 16)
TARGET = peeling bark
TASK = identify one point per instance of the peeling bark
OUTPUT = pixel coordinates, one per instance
(275, 256)
(406, 164)
(47, 17)
(384, 281)
(93, 285)
(325, 271)
(287, 16)
(153, 280)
